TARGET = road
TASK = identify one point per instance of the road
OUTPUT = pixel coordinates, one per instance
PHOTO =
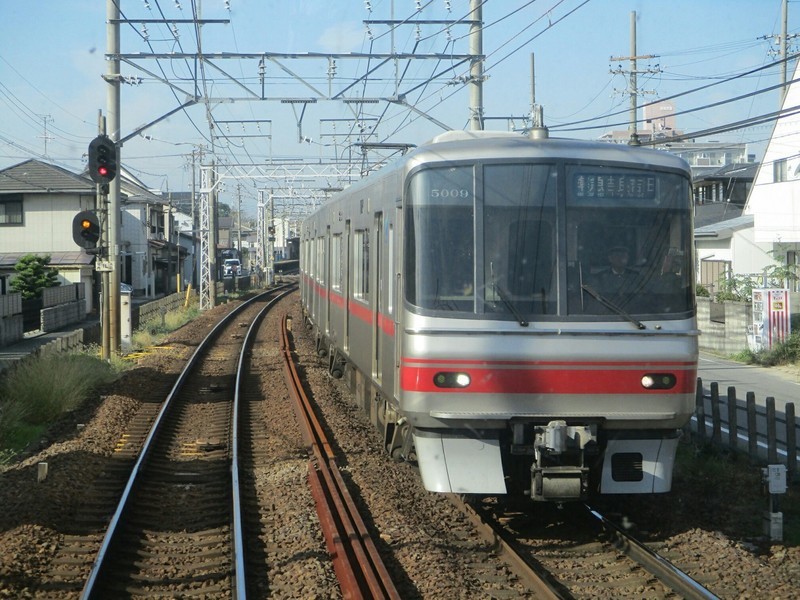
(762, 381)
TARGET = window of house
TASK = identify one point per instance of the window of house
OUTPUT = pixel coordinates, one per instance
(11, 209)
(779, 170)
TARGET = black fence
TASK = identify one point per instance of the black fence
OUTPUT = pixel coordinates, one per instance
(762, 432)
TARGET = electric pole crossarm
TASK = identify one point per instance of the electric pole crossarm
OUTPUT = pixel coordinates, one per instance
(171, 21)
(421, 22)
(286, 56)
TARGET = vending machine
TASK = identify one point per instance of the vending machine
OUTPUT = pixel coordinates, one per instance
(771, 318)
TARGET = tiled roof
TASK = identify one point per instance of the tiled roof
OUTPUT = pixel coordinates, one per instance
(34, 176)
(724, 229)
(75, 257)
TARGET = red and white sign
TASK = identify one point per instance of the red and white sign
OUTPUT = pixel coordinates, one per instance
(771, 317)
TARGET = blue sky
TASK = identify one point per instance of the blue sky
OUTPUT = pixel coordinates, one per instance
(52, 59)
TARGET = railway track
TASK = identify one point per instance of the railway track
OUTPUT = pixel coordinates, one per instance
(578, 559)
(429, 557)
(358, 565)
(177, 529)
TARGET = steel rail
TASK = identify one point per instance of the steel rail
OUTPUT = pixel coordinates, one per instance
(668, 573)
(113, 529)
(355, 557)
(535, 576)
(237, 532)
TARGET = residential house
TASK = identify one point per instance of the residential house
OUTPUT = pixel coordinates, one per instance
(774, 201)
(38, 202)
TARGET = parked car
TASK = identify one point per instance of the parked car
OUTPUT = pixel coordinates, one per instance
(232, 267)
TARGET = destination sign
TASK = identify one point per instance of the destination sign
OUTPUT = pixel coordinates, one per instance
(623, 186)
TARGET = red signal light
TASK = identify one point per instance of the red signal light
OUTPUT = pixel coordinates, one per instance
(102, 159)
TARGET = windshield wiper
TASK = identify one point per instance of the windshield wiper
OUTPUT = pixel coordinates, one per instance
(510, 304)
(608, 304)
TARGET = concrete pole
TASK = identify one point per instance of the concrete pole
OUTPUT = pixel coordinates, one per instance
(113, 122)
(476, 68)
(633, 91)
(784, 47)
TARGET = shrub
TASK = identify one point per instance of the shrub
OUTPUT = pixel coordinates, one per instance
(37, 390)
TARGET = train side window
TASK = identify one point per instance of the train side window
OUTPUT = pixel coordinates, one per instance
(361, 265)
(336, 262)
(320, 271)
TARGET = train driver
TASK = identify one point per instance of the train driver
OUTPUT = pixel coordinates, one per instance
(617, 277)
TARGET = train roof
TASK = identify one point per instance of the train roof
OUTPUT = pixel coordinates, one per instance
(457, 146)
(482, 145)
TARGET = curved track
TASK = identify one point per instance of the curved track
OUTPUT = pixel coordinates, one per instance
(575, 559)
(358, 565)
(177, 529)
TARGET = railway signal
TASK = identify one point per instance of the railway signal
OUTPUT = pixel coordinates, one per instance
(102, 159)
(86, 230)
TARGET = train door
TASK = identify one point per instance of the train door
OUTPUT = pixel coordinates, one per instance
(379, 307)
(348, 245)
(327, 266)
(395, 260)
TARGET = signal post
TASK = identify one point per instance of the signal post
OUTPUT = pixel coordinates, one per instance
(95, 239)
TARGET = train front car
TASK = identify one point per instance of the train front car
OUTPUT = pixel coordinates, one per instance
(548, 339)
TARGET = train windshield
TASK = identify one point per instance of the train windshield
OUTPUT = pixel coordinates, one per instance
(525, 241)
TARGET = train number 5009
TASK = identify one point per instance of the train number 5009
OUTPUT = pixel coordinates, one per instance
(450, 193)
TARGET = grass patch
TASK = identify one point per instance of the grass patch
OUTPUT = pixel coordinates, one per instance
(717, 475)
(786, 352)
(154, 331)
(36, 391)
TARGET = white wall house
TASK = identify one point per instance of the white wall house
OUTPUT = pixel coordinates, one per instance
(38, 203)
(774, 199)
(728, 247)
(152, 253)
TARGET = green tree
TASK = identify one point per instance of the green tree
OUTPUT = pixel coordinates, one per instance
(33, 275)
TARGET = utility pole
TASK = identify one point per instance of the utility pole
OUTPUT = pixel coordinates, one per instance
(784, 44)
(102, 211)
(633, 90)
(239, 218)
(112, 79)
(782, 41)
(476, 66)
(45, 119)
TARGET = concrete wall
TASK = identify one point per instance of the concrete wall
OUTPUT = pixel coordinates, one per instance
(728, 337)
(58, 317)
(11, 329)
(62, 294)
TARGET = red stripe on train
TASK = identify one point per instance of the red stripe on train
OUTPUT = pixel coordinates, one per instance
(541, 380)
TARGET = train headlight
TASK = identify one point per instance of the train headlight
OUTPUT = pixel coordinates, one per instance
(451, 380)
(658, 381)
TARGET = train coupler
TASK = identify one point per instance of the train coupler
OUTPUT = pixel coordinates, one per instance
(559, 484)
(558, 472)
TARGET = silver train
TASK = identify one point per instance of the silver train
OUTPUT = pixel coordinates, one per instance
(518, 313)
